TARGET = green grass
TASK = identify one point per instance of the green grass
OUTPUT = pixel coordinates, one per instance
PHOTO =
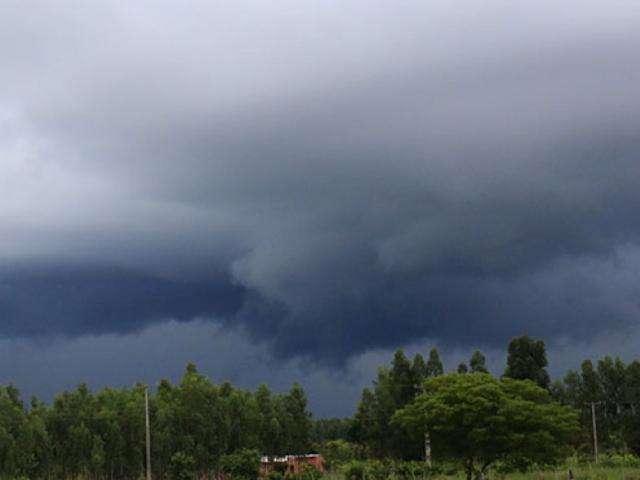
(582, 472)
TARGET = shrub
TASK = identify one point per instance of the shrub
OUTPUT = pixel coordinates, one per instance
(182, 466)
(338, 452)
(618, 460)
(274, 475)
(354, 470)
(241, 465)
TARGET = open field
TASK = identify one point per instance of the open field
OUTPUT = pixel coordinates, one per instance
(584, 472)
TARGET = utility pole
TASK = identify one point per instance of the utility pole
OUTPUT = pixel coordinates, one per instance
(595, 432)
(147, 430)
(427, 437)
(427, 448)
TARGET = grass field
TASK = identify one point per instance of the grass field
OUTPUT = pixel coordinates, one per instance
(583, 472)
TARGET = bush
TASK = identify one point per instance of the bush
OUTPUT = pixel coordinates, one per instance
(338, 452)
(617, 460)
(274, 475)
(241, 465)
(182, 467)
(354, 470)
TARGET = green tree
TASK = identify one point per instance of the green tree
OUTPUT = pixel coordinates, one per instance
(434, 364)
(270, 430)
(590, 381)
(478, 363)
(480, 420)
(527, 360)
(296, 420)
(328, 429)
(402, 379)
(462, 368)
(418, 370)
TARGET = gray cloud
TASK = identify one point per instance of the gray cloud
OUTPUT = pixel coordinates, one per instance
(162, 351)
(331, 178)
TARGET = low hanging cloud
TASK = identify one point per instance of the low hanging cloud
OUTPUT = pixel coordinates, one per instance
(332, 178)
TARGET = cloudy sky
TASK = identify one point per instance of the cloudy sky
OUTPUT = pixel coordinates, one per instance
(290, 190)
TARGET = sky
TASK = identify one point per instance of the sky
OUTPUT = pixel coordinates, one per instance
(292, 190)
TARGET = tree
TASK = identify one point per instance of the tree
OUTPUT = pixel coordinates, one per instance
(480, 420)
(590, 382)
(478, 363)
(462, 368)
(328, 429)
(401, 378)
(297, 420)
(419, 371)
(434, 364)
(527, 360)
(269, 428)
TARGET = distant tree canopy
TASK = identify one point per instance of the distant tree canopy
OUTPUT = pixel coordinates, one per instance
(200, 428)
(480, 420)
(394, 388)
(195, 425)
(478, 363)
(614, 389)
(527, 360)
(328, 429)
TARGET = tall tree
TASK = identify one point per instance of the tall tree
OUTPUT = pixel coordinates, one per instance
(402, 380)
(527, 360)
(419, 370)
(434, 364)
(297, 421)
(269, 427)
(590, 381)
(478, 363)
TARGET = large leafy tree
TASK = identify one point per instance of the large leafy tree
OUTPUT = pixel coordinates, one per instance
(480, 420)
(527, 360)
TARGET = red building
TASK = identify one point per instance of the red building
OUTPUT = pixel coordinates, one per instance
(290, 463)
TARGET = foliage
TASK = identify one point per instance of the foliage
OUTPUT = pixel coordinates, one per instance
(182, 466)
(101, 435)
(273, 475)
(617, 460)
(480, 420)
(394, 388)
(383, 470)
(614, 389)
(434, 364)
(527, 360)
(241, 465)
(338, 452)
(327, 429)
(478, 363)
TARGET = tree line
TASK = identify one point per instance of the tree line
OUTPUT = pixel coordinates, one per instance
(196, 427)
(613, 387)
(200, 428)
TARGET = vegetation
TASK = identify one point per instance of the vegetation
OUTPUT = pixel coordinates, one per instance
(198, 428)
(479, 426)
(480, 421)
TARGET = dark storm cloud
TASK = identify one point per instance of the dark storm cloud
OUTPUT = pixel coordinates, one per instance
(331, 177)
(85, 299)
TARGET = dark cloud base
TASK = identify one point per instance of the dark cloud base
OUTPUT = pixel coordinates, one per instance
(47, 300)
